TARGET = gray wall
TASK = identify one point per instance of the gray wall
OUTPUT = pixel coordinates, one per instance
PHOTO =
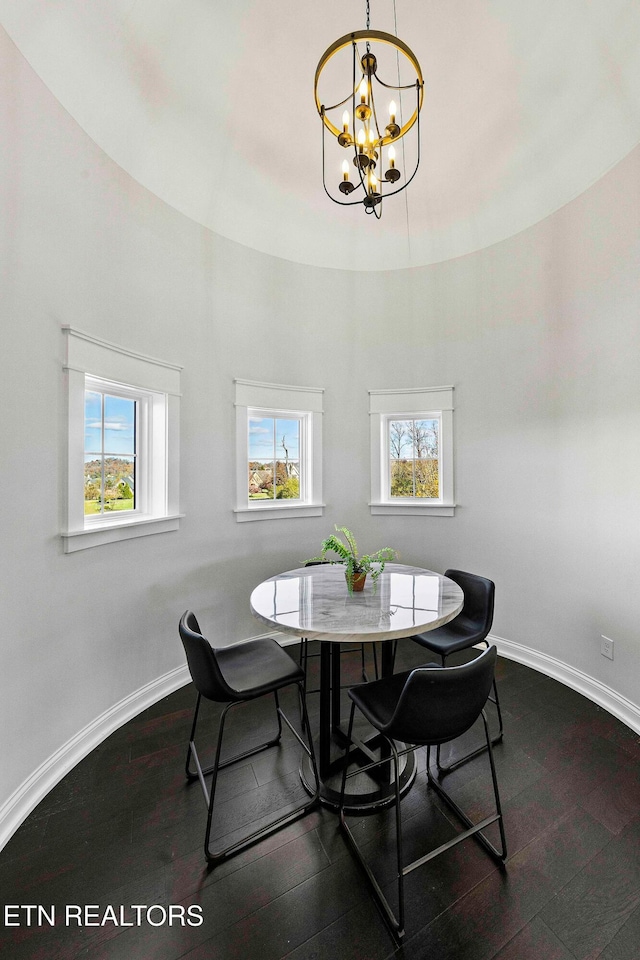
(538, 334)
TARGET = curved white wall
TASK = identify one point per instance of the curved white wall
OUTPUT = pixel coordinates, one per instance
(539, 334)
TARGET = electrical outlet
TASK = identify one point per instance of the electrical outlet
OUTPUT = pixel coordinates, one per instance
(606, 647)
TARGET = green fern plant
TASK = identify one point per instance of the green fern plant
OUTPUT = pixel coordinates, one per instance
(354, 564)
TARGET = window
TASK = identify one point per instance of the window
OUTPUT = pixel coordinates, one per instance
(412, 451)
(123, 443)
(112, 417)
(279, 451)
(274, 457)
(413, 460)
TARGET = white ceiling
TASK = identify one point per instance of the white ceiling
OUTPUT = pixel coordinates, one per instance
(209, 104)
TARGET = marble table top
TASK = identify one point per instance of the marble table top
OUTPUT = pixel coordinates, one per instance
(314, 602)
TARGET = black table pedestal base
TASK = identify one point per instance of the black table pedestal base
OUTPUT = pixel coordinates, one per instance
(372, 790)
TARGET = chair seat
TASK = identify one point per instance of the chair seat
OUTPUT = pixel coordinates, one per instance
(257, 667)
(378, 699)
(459, 634)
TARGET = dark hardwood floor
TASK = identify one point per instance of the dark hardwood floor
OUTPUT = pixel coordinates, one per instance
(124, 828)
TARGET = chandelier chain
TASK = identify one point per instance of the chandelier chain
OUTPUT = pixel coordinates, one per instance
(368, 14)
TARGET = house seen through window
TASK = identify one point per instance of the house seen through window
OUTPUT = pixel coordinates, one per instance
(274, 458)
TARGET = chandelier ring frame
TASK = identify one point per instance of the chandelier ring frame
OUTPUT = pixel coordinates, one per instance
(351, 39)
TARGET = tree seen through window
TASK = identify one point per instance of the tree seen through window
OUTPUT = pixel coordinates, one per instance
(414, 458)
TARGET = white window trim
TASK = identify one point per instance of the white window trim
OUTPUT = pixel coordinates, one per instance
(274, 399)
(421, 403)
(145, 377)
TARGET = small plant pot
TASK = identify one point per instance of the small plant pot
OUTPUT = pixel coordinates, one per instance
(357, 582)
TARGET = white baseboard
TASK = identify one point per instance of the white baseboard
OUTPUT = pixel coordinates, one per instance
(26, 798)
(29, 794)
(594, 690)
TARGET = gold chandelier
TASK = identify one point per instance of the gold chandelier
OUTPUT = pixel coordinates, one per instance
(371, 138)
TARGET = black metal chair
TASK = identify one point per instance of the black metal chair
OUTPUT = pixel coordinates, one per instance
(237, 674)
(470, 627)
(424, 707)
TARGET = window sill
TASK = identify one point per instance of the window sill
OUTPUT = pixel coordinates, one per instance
(408, 509)
(280, 512)
(115, 530)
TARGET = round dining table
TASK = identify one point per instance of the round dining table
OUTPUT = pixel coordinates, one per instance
(313, 603)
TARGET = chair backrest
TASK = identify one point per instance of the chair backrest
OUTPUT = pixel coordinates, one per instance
(438, 704)
(479, 595)
(203, 665)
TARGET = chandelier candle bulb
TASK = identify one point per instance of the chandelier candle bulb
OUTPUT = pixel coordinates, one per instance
(345, 186)
(344, 138)
(363, 110)
(393, 130)
(392, 175)
(361, 160)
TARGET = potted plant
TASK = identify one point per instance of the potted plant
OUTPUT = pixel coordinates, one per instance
(356, 567)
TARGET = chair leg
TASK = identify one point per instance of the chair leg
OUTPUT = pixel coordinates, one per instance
(365, 676)
(475, 829)
(396, 924)
(497, 738)
(189, 774)
(216, 857)
(303, 662)
(394, 650)
(363, 665)
(191, 751)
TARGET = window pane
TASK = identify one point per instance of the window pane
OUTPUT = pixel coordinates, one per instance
(401, 478)
(260, 480)
(288, 479)
(92, 485)
(119, 425)
(261, 457)
(261, 442)
(425, 438)
(119, 483)
(400, 440)
(288, 438)
(288, 466)
(427, 479)
(92, 422)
